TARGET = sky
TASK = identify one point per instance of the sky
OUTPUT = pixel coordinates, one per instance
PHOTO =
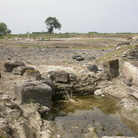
(80, 16)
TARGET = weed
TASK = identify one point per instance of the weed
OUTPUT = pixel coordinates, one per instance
(31, 101)
(3, 137)
(120, 134)
(135, 110)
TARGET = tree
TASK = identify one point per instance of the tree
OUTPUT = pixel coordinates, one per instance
(8, 31)
(52, 23)
(3, 28)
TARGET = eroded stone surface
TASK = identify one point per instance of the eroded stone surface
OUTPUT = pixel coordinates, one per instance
(112, 67)
(130, 73)
(9, 66)
(59, 76)
(33, 91)
(21, 70)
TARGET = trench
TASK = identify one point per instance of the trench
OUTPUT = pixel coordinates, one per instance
(76, 118)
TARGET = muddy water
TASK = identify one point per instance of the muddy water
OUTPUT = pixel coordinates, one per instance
(76, 119)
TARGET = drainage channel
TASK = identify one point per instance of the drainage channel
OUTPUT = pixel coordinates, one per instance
(88, 116)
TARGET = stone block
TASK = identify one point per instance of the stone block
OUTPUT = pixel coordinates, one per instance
(9, 66)
(30, 91)
(112, 67)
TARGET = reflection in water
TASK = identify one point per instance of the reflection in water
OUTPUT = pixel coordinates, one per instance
(75, 119)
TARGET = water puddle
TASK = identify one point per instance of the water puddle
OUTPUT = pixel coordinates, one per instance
(86, 114)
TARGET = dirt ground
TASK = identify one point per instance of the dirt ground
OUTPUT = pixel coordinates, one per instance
(59, 53)
(56, 51)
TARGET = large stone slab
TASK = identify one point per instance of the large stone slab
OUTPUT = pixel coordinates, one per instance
(9, 66)
(112, 67)
(130, 73)
(30, 91)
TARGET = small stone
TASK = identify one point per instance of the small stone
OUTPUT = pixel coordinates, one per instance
(75, 57)
(93, 68)
(1, 92)
(72, 101)
(80, 58)
(103, 95)
(62, 113)
(98, 92)
(5, 97)
(58, 136)
(92, 58)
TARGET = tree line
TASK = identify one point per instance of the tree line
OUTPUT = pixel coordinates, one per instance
(51, 24)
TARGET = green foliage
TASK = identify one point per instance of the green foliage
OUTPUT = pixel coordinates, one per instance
(135, 110)
(4, 29)
(120, 134)
(115, 53)
(32, 101)
(1, 37)
(8, 31)
(3, 137)
(52, 22)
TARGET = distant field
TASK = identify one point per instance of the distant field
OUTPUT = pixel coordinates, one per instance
(72, 35)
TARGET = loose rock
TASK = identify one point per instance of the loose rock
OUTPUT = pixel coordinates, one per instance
(98, 92)
(9, 66)
(80, 58)
(112, 67)
(93, 68)
(21, 70)
(75, 57)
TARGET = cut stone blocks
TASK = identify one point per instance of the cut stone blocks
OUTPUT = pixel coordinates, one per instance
(112, 67)
(29, 91)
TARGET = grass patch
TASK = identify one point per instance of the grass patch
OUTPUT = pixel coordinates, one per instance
(115, 53)
(66, 62)
(24, 45)
(92, 47)
(1, 37)
(135, 110)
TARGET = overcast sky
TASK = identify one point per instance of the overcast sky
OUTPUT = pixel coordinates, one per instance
(106, 16)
